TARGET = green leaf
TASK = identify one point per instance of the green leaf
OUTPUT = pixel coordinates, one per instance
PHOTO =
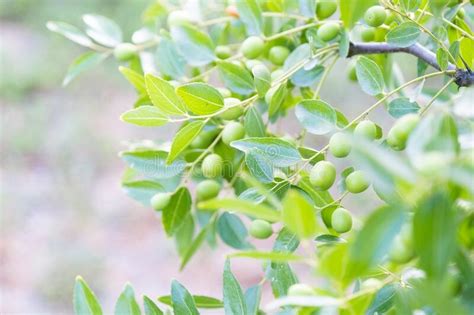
(329, 239)
(201, 301)
(442, 58)
(242, 206)
(299, 216)
(434, 226)
(82, 63)
(142, 190)
(259, 166)
(279, 152)
(201, 98)
(303, 301)
(252, 299)
(234, 301)
(316, 116)
(320, 198)
(402, 106)
(150, 307)
(103, 30)
(182, 301)
(196, 243)
(374, 240)
(177, 209)
(286, 241)
(352, 11)
(410, 5)
(281, 277)
(383, 300)
(135, 78)
(307, 8)
(183, 138)
(307, 76)
(70, 32)
(251, 15)
(169, 60)
(232, 231)
(126, 303)
(145, 116)
(272, 256)
(152, 164)
(277, 96)
(436, 132)
(163, 96)
(193, 44)
(369, 76)
(85, 301)
(344, 44)
(236, 78)
(184, 235)
(404, 35)
(253, 123)
(262, 80)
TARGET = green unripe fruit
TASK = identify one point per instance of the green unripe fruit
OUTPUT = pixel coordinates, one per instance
(356, 182)
(366, 129)
(212, 166)
(323, 175)
(341, 220)
(375, 16)
(204, 139)
(234, 111)
(278, 54)
(160, 201)
(125, 51)
(207, 189)
(400, 253)
(461, 13)
(223, 52)
(340, 145)
(300, 289)
(260, 229)
(232, 131)
(351, 73)
(252, 47)
(390, 17)
(367, 34)
(325, 8)
(178, 17)
(328, 31)
(401, 130)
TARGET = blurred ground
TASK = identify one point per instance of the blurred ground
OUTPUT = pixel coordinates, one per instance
(62, 210)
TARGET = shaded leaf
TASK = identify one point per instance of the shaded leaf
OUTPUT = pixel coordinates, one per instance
(299, 215)
(369, 76)
(236, 78)
(182, 301)
(234, 301)
(85, 301)
(251, 15)
(316, 116)
(177, 210)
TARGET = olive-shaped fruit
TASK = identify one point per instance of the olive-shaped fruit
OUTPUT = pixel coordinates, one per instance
(260, 229)
(234, 111)
(328, 31)
(325, 8)
(278, 54)
(380, 34)
(356, 182)
(212, 165)
(207, 189)
(340, 145)
(367, 34)
(366, 129)
(400, 252)
(323, 175)
(125, 51)
(375, 16)
(401, 130)
(252, 47)
(300, 289)
(160, 201)
(223, 52)
(341, 220)
(232, 131)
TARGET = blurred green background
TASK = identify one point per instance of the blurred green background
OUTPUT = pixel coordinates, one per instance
(63, 212)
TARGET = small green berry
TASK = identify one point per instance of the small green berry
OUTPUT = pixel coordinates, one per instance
(367, 34)
(260, 229)
(234, 111)
(212, 166)
(341, 220)
(207, 189)
(375, 16)
(401, 130)
(366, 129)
(160, 201)
(400, 252)
(323, 175)
(278, 54)
(340, 145)
(223, 52)
(252, 47)
(325, 8)
(356, 182)
(232, 131)
(328, 31)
